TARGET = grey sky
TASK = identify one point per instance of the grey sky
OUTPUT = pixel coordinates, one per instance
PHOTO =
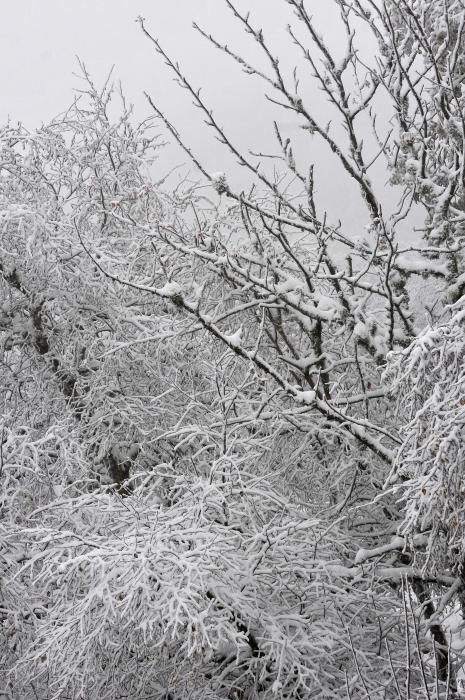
(39, 42)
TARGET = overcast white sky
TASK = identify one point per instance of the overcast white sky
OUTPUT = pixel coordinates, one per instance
(39, 42)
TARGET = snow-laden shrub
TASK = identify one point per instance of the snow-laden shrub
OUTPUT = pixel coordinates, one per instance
(429, 471)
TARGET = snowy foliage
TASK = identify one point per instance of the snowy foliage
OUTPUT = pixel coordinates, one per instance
(428, 381)
(231, 455)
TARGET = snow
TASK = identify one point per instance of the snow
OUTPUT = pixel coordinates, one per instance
(329, 306)
(307, 397)
(360, 331)
(364, 554)
(170, 289)
(198, 290)
(218, 175)
(288, 285)
(302, 363)
(234, 339)
(412, 165)
(410, 263)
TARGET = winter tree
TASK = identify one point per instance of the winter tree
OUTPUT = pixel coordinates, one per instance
(231, 452)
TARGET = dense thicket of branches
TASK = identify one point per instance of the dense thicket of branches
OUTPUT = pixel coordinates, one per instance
(231, 452)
